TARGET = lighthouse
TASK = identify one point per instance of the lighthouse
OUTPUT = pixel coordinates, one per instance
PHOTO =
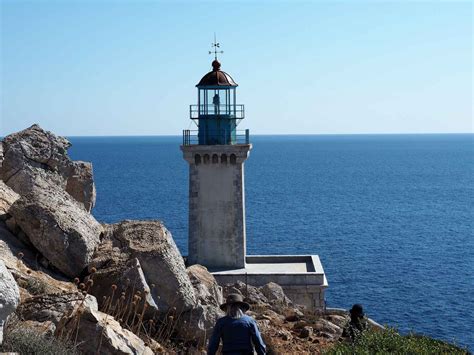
(216, 152)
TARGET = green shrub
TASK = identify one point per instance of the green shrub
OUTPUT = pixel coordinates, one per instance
(23, 340)
(390, 342)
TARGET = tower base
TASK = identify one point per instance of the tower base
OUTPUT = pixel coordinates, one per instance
(301, 276)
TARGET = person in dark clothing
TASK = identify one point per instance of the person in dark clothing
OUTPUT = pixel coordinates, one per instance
(239, 332)
(356, 325)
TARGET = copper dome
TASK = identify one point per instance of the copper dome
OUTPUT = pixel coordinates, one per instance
(216, 77)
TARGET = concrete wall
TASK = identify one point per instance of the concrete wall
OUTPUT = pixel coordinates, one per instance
(216, 205)
(309, 295)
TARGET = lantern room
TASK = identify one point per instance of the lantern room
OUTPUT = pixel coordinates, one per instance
(217, 113)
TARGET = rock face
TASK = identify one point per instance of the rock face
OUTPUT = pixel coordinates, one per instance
(1, 156)
(7, 198)
(152, 245)
(197, 324)
(53, 307)
(205, 286)
(275, 294)
(80, 184)
(58, 227)
(9, 296)
(34, 156)
(99, 333)
(129, 279)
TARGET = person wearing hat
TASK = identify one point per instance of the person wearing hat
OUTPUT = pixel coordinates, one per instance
(239, 332)
(357, 324)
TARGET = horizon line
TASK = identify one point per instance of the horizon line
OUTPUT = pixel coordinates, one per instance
(281, 134)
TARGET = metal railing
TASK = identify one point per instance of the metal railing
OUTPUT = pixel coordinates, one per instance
(212, 111)
(221, 137)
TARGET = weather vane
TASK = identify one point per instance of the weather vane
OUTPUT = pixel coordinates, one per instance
(215, 45)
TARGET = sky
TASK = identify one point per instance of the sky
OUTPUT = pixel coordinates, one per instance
(315, 67)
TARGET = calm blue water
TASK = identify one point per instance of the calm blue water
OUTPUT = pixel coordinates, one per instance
(391, 216)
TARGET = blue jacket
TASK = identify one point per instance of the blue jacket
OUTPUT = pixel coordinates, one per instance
(237, 336)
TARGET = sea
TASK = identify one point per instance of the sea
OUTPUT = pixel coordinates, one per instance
(390, 216)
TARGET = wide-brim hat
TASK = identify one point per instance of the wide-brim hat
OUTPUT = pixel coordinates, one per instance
(235, 298)
(357, 310)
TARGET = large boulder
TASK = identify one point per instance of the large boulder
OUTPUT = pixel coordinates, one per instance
(99, 333)
(151, 244)
(9, 296)
(33, 155)
(275, 295)
(58, 227)
(7, 198)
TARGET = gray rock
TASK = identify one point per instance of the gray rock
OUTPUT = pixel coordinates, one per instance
(251, 293)
(9, 296)
(274, 293)
(100, 333)
(7, 198)
(35, 157)
(58, 227)
(153, 246)
(1, 156)
(197, 324)
(53, 307)
(292, 314)
(31, 150)
(80, 184)
(326, 326)
(129, 279)
(205, 286)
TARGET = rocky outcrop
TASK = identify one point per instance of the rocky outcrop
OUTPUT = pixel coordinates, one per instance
(9, 296)
(58, 227)
(7, 198)
(35, 157)
(163, 267)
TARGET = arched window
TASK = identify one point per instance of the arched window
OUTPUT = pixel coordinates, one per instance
(224, 158)
(215, 159)
(197, 159)
(233, 159)
(206, 158)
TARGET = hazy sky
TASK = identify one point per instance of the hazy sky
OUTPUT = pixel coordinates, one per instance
(130, 67)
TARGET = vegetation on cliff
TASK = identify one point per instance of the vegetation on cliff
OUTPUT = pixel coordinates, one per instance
(389, 341)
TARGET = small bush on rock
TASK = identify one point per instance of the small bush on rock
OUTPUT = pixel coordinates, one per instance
(390, 341)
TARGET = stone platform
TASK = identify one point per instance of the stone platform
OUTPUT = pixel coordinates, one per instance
(301, 276)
